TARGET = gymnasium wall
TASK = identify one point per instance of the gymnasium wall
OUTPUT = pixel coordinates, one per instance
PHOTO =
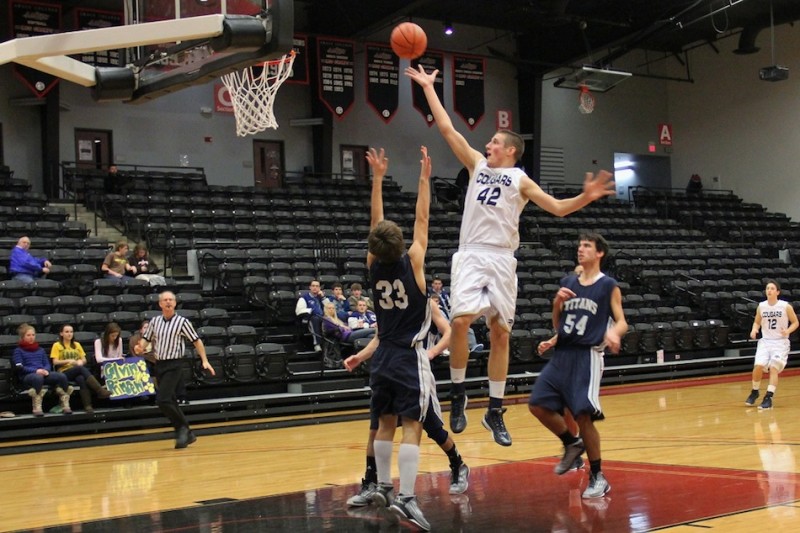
(745, 131)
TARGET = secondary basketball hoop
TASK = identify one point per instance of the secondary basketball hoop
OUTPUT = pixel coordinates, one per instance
(252, 92)
(585, 100)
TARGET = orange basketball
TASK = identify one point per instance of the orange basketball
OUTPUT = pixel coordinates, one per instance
(408, 40)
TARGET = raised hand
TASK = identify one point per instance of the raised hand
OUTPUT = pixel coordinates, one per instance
(420, 76)
(377, 161)
(599, 185)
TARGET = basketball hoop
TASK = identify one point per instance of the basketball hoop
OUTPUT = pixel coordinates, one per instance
(252, 92)
(585, 100)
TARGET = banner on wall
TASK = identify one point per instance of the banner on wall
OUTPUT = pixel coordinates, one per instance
(128, 378)
(92, 19)
(430, 61)
(335, 59)
(468, 97)
(383, 73)
(30, 19)
(300, 67)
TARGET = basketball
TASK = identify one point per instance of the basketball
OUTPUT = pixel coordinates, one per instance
(408, 40)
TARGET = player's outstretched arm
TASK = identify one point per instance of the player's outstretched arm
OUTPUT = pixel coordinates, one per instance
(420, 245)
(378, 162)
(458, 144)
(352, 362)
(756, 323)
(595, 186)
(620, 328)
(444, 328)
(793, 322)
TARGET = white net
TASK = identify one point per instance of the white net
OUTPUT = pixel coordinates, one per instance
(252, 92)
(585, 101)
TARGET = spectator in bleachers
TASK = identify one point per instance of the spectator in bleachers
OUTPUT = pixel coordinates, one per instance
(111, 183)
(309, 308)
(146, 268)
(109, 346)
(68, 357)
(695, 185)
(335, 328)
(116, 264)
(357, 294)
(362, 317)
(22, 266)
(35, 371)
(340, 302)
(437, 288)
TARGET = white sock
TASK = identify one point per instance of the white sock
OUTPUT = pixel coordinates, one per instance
(458, 375)
(756, 385)
(771, 388)
(408, 461)
(497, 389)
(383, 460)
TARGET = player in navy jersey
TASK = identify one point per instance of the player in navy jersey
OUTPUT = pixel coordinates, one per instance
(483, 277)
(400, 374)
(588, 310)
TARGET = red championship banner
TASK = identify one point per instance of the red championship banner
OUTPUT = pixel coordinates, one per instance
(29, 19)
(468, 97)
(430, 61)
(92, 19)
(383, 73)
(300, 67)
(336, 63)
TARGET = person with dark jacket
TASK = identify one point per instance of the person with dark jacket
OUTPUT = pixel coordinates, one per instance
(309, 308)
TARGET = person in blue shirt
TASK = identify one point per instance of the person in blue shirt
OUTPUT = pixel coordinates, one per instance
(340, 302)
(23, 266)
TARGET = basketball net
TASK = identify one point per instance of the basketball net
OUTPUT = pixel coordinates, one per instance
(585, 100)
(252, 92)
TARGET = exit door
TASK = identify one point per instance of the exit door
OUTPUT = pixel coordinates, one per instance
(268, 165)
(93, 149)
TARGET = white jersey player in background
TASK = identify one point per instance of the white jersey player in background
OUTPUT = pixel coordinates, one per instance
(483, 277)
(777, 320)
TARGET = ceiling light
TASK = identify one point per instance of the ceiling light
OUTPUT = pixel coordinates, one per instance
(448, 28)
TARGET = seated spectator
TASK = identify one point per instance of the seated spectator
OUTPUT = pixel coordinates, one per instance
(22, 266)
(695, 185)
(356, 294)
(116, 265)
(35, 371)
(340, 302)
(109, 346)
(309, 309)
(146, 268)
(362, 317)
(68, 357)
(334, 328)
(443, 298)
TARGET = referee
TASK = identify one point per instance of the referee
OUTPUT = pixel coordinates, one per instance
(166, 333)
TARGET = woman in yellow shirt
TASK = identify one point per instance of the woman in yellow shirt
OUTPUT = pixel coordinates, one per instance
(68, 357)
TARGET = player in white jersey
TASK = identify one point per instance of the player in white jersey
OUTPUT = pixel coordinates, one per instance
(483, 278)
(777, 320)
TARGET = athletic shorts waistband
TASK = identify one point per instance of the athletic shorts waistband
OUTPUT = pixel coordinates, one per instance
(485, 248)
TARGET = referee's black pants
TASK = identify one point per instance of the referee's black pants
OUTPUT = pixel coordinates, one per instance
(170, 376)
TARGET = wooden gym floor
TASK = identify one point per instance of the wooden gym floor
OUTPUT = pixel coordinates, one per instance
(680, 456)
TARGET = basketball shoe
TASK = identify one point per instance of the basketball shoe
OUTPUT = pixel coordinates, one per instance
(383, 495)
(459, 479)
(405, 508)
(493, 421)
(458, 418)
(364, 496)
(577, 464)
(598, 487)
(766, 403)
(751, 400)
(571, 453)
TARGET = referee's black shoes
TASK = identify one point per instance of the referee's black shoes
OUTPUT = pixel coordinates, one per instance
(184, 437)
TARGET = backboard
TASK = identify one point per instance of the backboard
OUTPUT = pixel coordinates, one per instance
(597, 80)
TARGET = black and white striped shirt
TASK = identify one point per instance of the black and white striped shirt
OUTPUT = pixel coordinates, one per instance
(168, 336)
